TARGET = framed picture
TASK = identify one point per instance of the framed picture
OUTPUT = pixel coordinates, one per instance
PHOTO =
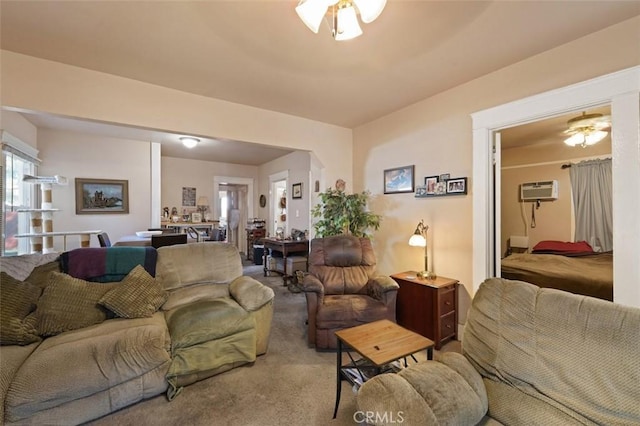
(444, 176)
(398, 180)
(296, 190)
(196, 217)
(188, 197)
(430, 183)
(101, 196)
(421, 191)
(457, 186)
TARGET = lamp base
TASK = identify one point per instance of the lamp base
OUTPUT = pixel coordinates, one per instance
(427, 275)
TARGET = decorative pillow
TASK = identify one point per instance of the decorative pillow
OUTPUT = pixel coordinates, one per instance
(17, 302)
(562, 247)
(138, 295)
(69, 303)
(40, 274)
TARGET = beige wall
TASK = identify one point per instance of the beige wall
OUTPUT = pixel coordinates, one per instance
(78, 155)
(19, 127)
(435, 135)
(297, 164)
(40, 85)
(541, 162)
(179, 172)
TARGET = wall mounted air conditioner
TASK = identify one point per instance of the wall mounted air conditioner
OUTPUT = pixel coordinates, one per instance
(533, 191)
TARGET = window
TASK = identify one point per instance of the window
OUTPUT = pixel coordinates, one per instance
(15, 195)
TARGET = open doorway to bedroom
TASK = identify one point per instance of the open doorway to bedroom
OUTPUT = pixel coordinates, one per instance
(537, 239)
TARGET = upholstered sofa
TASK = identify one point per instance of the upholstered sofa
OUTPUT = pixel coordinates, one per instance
(343, 288)
(530, 356)
(198, 317)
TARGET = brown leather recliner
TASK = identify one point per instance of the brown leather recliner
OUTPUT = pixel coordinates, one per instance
(343, 289)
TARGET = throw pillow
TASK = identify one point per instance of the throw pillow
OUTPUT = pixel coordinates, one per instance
(138, 295)
(69, 303)
(40, 274)
(17, 302)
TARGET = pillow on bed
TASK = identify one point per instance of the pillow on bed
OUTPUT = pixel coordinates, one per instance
(563, 247)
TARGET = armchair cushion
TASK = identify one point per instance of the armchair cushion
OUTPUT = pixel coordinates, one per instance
(349, 310)
(250, 293)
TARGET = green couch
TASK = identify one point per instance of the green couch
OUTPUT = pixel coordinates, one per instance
(210, 319)
(530, 356)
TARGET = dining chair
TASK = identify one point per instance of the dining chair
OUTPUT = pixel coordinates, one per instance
(103, 239)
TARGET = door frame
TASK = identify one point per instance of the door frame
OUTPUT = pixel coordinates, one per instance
(622, 91)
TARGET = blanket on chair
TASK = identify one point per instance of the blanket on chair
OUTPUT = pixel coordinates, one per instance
(107, 264)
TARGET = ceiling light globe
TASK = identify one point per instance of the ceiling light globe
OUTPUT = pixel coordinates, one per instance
(347, 26)
(311, 13)
(595, 137)
(189, 142)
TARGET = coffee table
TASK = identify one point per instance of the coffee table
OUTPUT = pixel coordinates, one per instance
(379, 344)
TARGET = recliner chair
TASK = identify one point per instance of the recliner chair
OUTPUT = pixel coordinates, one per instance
(343, 288)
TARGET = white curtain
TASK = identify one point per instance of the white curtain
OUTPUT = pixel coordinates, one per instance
(591, 184)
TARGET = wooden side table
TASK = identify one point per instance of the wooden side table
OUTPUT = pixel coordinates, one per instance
(428, 307)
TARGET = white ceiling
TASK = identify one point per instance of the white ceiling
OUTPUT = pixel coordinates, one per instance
(259, 53)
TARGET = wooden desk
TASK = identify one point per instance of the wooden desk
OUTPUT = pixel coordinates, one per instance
(133, 240)
(428, 307)
(287, 248)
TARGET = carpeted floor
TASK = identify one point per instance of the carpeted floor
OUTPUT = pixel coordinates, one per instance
(290, 385)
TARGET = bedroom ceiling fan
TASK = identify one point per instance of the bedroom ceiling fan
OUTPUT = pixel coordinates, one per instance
(587, 129)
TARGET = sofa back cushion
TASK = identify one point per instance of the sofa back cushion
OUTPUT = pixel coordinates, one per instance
(576, 353)
(184, 265)
(342, 263)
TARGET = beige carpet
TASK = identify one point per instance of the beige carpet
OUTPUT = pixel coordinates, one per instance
(290, 385)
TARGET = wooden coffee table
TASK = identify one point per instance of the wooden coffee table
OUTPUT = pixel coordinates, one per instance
(379, 344)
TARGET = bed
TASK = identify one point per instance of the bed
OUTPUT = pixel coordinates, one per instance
(577, 271)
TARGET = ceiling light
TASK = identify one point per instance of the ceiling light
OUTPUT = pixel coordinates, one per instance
(344, 13)
(189, 142)
(587, 129)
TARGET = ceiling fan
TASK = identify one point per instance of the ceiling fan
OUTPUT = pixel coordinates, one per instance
(587, 129)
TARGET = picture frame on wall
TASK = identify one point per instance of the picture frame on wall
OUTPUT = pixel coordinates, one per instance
(296, 190)
(102, 196)
(399, 180)
(430, 183)
(457, 186)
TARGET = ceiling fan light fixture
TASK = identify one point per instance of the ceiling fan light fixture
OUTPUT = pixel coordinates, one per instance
(587, 129)
(344, 15)
(586, 138)
(189, 142)
(346, 24)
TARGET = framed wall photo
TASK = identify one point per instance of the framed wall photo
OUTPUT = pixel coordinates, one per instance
(457, 186)
(296, 190)
(398, 180)
(430, 183)
(101, 196)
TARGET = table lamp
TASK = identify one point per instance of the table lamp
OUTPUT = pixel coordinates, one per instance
(419, 239)
(203, 204)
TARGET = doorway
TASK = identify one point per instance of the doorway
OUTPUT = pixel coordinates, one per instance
(622, 91)
(278, 204)
(233, 205)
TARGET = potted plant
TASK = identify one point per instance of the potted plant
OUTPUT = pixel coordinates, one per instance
(342, 213)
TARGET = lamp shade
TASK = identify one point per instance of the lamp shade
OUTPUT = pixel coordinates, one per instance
(370, 9)
(347, 26)
(417, 240)
(203, 201)
(311, 13)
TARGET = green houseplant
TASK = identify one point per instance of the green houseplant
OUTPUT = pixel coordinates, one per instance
(341, 213)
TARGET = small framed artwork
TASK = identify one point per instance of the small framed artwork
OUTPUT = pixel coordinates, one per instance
(196, 217)
(101, 196)
(188, 197)
(296, 190)
(398, 180)
(440, 188)
(430, 183)
(457, 186)
(421, 191)
(444, 176)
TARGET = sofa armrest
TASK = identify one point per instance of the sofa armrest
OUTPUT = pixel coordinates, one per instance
(312, 284)
(382, 284)
(427, 393)
(250, 293)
